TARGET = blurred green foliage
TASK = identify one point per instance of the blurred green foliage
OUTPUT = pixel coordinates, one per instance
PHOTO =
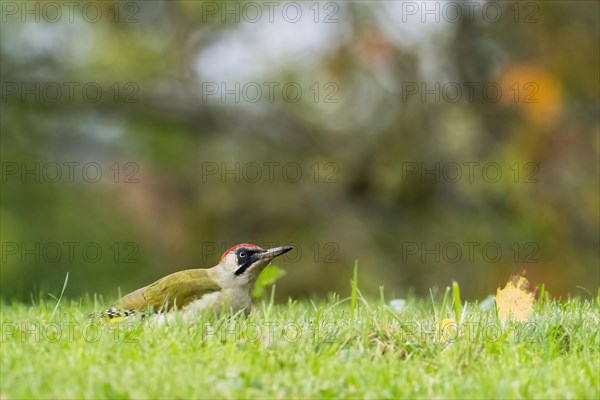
(267, 278)
(156, 134)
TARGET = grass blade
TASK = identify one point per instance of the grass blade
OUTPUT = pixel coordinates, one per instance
(456, 295)
(443, 310)
(60, 297)
(354, 286)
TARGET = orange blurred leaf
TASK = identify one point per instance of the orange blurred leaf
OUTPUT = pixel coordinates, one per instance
(535, 90)
(515, 301)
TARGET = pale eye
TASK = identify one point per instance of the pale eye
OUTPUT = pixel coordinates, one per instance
(243, 254)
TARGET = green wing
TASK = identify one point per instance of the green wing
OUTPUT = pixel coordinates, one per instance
(177, 289)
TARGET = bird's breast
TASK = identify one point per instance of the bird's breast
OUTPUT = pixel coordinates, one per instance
(224, 300)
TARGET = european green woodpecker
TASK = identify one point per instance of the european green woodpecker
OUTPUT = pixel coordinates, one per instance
(226, 286)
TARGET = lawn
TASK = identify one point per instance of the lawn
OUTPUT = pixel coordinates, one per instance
(350, 348)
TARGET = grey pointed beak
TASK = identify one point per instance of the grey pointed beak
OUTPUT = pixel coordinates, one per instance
(274, 252)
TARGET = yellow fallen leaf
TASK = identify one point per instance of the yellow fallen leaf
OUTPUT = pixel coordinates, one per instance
(447, 329)
(515, 301)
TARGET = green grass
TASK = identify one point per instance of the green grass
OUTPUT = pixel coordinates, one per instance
(329, 349)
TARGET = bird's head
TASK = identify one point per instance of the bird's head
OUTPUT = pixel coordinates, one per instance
(244, 262)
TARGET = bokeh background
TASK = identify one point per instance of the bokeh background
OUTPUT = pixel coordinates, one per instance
(136, 142)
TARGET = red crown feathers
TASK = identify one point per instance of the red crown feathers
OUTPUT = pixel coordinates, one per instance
(237, 246)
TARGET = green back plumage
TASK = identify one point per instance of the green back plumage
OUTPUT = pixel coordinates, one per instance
(177, 289)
